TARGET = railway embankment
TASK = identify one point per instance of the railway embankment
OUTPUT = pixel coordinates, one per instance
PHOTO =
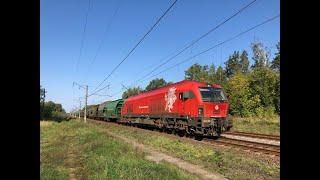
(226, 160)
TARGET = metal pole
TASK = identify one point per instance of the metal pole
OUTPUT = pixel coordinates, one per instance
(85, 106)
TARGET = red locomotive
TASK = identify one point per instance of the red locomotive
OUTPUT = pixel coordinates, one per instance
(187, 107)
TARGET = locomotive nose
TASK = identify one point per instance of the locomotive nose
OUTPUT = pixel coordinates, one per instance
(216, 109)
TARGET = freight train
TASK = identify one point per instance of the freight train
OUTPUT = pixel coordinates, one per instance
(187, 107)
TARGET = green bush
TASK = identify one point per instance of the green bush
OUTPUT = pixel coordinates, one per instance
(268, 112)
(59, 116)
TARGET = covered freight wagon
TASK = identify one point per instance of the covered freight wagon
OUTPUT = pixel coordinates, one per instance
(113, 110)
(92, 111)
(101, 110)
(188, 106)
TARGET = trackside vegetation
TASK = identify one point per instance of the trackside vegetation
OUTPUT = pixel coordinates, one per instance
(228, 162)
(72, 148)
(253, 90)
(257, 125)
(50, 110)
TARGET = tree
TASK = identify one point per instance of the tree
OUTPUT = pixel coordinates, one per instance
(42, 94)
(244, 62)
(212, 74)
(263, 81)
(233, 64)
(260, 55)
(220, 77)
(48, 108)
(276, 99)
(275, 64)
(156, 83)
(204, 74)
(131, 92)
(197, 72)
(242, 102)
(192, 73)
(42, 99)
(58, 108)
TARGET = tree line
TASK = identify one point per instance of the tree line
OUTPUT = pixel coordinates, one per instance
(252, 90)
(153, 84)
(50, 110)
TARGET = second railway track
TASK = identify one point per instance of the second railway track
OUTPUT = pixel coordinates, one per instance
(254, 135)
(249, 145)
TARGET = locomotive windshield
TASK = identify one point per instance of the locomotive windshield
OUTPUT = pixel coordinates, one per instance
(210, 94)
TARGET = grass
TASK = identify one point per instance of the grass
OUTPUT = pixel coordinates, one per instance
(51, 153)
(257, 125)
(227, 162)
(95, 155)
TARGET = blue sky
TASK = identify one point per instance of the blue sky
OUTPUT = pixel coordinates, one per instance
(61, 30)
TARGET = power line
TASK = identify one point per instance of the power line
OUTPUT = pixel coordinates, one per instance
(105, 32)
(201, 37)
(195, 41)
(83, 35)
(102, 95)
(136, 45)
(219, 44)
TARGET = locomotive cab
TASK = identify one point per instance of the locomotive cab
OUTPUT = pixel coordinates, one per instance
(214, 110)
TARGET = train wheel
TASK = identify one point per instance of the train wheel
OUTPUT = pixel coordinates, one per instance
(174, 131)
(198, 137)
(182, 133)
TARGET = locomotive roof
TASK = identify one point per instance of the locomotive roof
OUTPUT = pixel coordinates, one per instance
(191, 82)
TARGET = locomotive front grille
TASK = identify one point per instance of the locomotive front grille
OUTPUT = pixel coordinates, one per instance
(216, 111)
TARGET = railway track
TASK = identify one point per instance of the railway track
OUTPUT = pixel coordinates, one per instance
(252, 146)
(254, 135)
(249, 145)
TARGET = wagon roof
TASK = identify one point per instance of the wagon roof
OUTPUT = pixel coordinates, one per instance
(92, 106)
(102, 105)
(113, 104)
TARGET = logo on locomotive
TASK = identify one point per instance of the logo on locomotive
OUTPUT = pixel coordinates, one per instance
(170, 98)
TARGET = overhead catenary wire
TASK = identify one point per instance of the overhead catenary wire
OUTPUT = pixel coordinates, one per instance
(217, 45)
(102, 95)
(194, 41)
(190, 44)
(130, 52)
(83, 35)
(106, 31)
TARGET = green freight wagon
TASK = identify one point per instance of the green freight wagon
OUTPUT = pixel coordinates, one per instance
(101, 110)
(113, 110)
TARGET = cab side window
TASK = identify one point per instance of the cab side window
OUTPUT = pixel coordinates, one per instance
(186, 95)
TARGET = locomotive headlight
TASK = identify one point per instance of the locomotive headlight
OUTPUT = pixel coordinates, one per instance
(200, 111)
